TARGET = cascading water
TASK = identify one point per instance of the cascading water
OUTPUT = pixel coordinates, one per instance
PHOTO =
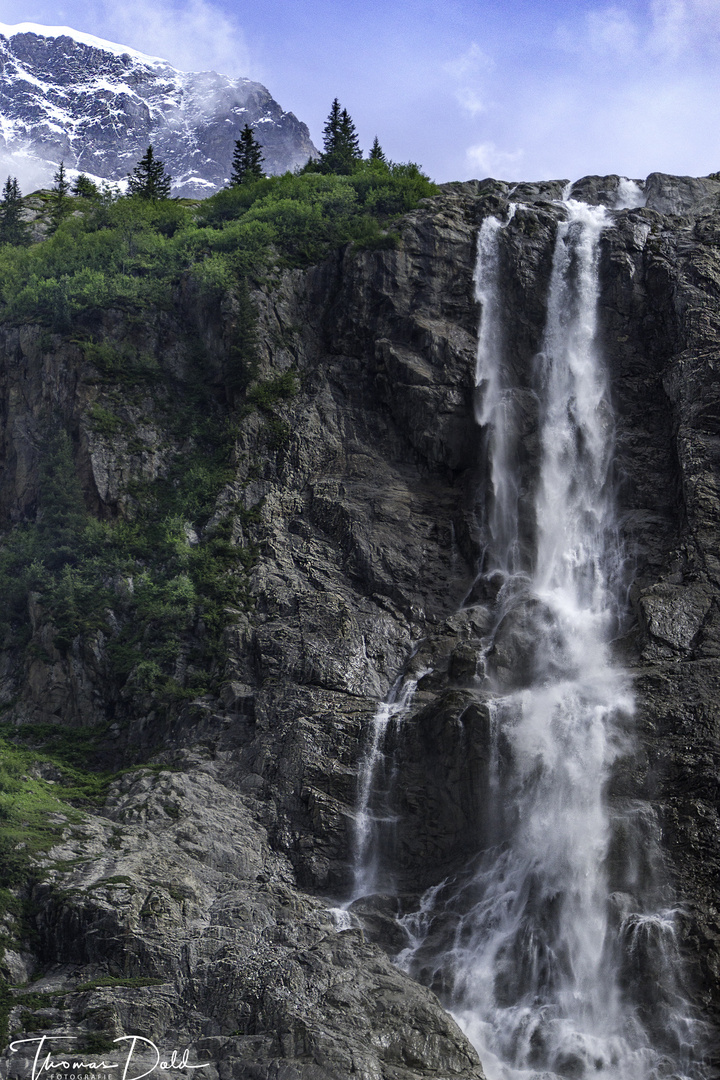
(376, 781)
(533, 954)
(494, 407)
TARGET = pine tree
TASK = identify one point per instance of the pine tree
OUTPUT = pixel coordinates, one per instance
(332, 129)
(376, 152)
(62, 184)
(59, 197)
(340, 141)
(348, 137)
(148, 180)
(247, 159)
(84, 187)
(242, 364)
(12, 227)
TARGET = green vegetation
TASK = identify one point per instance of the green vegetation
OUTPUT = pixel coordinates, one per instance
(38, 798)
(130, 253)
(281, 388)
(376, 152)
(26, 799)
(161, 600)
(84, 187)
(162, 583)
(60, 202)
(341, 150)
(7, 1001)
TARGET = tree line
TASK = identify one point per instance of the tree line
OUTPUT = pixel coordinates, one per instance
(149, 179)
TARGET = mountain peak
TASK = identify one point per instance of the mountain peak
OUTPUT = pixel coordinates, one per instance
(96, 105)
(112, 47)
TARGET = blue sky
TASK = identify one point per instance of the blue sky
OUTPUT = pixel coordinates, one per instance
(517, 89)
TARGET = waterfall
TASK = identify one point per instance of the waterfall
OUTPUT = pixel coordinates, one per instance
(629, 195)
(549, 973)
(374, 817)
(494, 403)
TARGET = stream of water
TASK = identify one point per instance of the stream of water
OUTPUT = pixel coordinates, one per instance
(552, 969)
(374, 812)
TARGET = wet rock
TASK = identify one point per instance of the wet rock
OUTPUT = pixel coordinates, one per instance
(674, 614)
(443, 773)
(596, 190)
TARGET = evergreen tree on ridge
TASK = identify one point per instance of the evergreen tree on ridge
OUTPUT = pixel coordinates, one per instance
(340, 142)
(13, 229)
(247, 159)
(59, 197)
(376, 152)
(148, 180)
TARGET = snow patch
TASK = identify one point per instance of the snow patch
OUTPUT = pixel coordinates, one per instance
(83, 39)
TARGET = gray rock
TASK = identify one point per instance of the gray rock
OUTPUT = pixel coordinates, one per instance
(680, 194)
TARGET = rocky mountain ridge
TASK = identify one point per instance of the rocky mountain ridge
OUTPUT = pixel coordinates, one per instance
(95, 105)
(212, 866)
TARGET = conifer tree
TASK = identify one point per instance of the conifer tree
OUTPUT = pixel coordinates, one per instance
(148, 180)
(340, 142)
(12, 227)
(376, 152)
(247, 159)
(348, 142)
(84, 187)
(331, 130)
(61, 183)
(242, 364)
(59, 197)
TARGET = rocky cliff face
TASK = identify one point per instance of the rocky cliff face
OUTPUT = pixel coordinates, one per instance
(66, 96)
(211, 867)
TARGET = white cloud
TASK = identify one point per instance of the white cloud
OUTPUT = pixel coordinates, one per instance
(470, 100)
(489, 160)
(604, 34)
(671, 30)
(469, 73)
(469, 64)
(682, 27)
(612, 32)
(194, 35)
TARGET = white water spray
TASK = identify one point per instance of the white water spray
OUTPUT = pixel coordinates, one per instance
(373, 813)
(494, 401)
(528, 957)
(535, 958)
(630, 195)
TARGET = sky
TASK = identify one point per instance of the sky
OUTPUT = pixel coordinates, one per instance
(516, 89)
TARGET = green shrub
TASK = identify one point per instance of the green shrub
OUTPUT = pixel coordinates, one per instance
(131, 252)
(104, 422)
(267, 393)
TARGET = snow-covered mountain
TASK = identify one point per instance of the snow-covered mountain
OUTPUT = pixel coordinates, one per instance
(65, 95)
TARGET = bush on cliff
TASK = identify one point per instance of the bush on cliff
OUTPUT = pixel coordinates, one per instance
(131, 252)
